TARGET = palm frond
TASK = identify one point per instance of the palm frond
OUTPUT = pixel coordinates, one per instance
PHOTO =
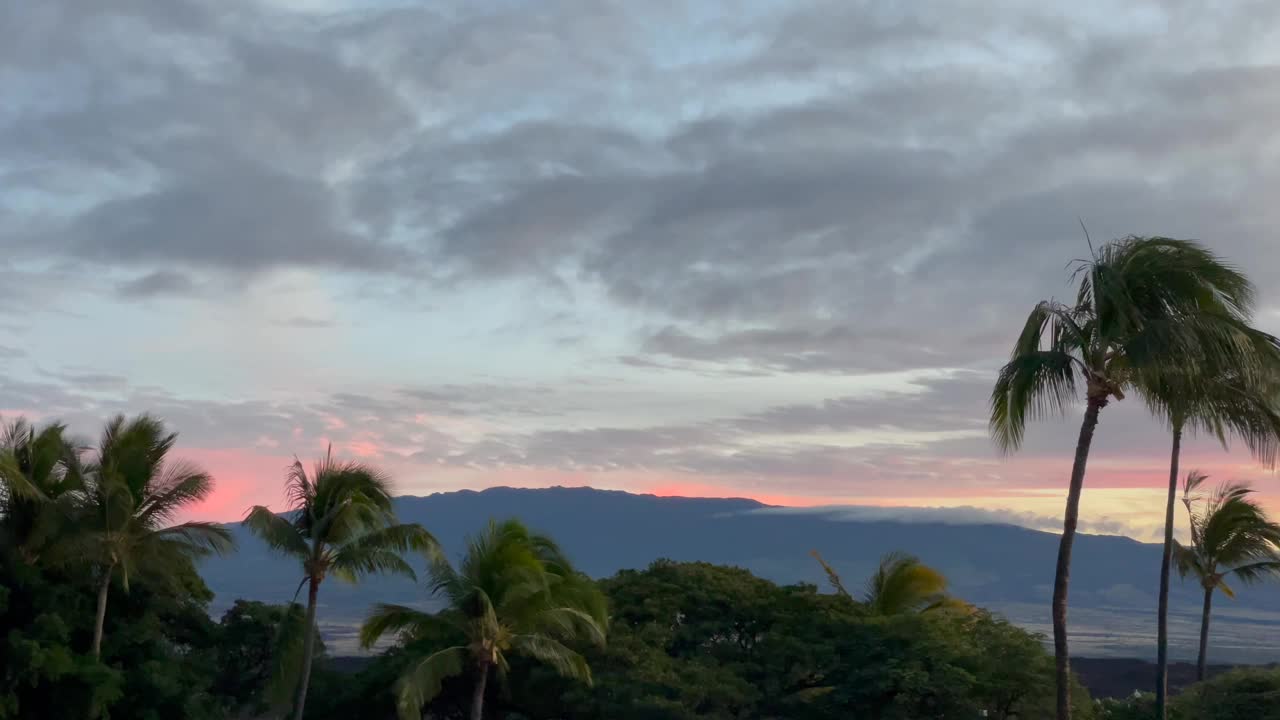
(400, 620)
(1032, 385)
(180, 484)
(350, 565)
(564, 661)
(14, 482)
(422, 682)
(1221, 585)
(1187, 562)
(1257, 571)
(903, 584)
(832, 578)
(405, 537)
(574, 623)
(278, 533)
(299, 491)
(201, 538)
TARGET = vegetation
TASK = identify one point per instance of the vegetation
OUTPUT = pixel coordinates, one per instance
(71, 529)
(133, 491)
(1239, 400)
(1231, 536)
(901, 584)
(694, 640)
(40, 475)
(515, 594)
(340, 521)
(1243, 693)
(1146, 309)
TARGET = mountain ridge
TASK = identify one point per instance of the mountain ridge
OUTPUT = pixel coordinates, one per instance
(1002, 566)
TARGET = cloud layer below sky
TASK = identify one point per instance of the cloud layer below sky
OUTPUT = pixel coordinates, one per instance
(774, 249)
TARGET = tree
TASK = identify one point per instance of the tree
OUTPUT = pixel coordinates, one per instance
(158, 636)
(514, 594)
(40, 477)
(1144, 306)
(340, 521)
(1012, 667)
(134, 492)
(900, 584)
(903, 584)
(1235, 401)
(1241, 693)
(1231, 536)
(249, 654)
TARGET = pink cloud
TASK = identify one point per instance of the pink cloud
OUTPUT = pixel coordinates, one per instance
(242, 479)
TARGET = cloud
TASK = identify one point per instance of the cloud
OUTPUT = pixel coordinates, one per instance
(962, 515)
(304, 322)
(630, 239)
(160, 282)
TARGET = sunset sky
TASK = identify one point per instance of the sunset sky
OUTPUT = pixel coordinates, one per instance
(764, 249)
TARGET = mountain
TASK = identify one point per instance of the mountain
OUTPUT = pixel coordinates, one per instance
(1003, 567)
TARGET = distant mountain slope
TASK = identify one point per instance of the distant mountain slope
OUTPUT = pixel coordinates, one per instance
(1004, 567)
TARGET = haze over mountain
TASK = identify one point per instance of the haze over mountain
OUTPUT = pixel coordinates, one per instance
(1000, 566)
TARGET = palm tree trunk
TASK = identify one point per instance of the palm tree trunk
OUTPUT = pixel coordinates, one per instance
(477, 695)
(1202, 661)
(104, 588)
(1162, 615)
(1062, 577)
(308, 649)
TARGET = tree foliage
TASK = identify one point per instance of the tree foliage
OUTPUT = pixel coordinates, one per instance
(693, 640)
(515, 594)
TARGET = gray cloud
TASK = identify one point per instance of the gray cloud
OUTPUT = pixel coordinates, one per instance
(304, 322)
(160, 282)
(835, 192)
(810, 187)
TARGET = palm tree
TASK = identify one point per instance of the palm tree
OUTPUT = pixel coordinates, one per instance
(1230, 536)
(40, 478)
(1238, 403)
(515, 593)
(900, 585)
(340, 521)
(134, 491)
(1143, 306)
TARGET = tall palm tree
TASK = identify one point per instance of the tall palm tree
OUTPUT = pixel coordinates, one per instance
(135, 490)
(900, 585)
(1237, 402)
(1142, 306)
(514, 593)
(340, 521)
(1231, 536)
(40, 479)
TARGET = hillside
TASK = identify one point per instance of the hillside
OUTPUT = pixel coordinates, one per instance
(1004, 567)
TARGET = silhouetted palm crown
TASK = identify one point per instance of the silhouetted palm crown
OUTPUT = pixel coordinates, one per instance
(515, 592)
(1230, 537)
(134, 494)
(40, 485)
(1146, 311)
(340, 521)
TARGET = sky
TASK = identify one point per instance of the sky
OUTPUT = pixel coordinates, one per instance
(763, 249)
